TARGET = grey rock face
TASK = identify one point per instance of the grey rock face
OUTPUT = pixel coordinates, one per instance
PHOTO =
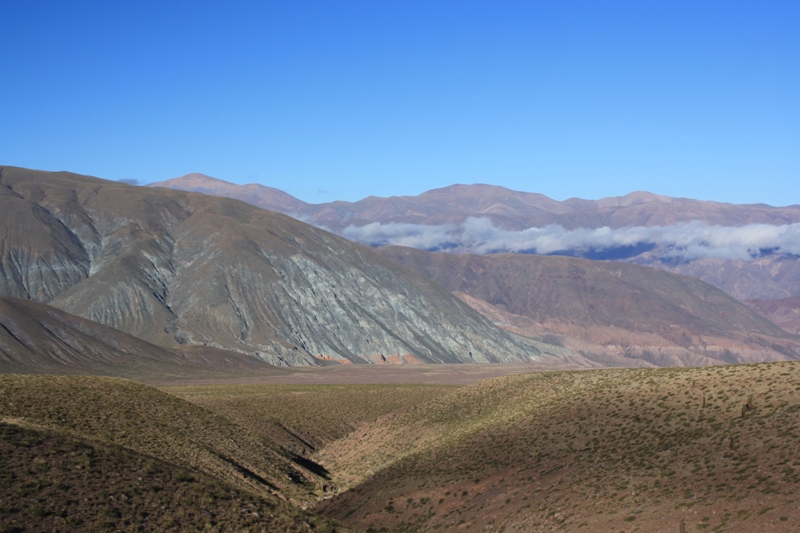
(180, 268)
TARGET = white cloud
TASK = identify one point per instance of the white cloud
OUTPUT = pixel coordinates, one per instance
(693, 240)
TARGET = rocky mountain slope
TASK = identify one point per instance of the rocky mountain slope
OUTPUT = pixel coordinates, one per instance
(38, 338)
(632, 311)
(177, 268)
(769, 276)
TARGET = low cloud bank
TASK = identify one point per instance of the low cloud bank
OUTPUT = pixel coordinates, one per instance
(685, 241)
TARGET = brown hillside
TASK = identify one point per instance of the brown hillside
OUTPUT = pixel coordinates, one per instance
(638, 312)
(54, 482)
(602, 450)
(152, 422)
(784, 312)
(37, 338)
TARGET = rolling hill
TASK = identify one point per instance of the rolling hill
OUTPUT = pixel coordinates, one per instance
(701, 449)
(56, 482)
(87, 453)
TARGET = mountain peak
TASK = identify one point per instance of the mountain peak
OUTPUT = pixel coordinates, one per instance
(633, 198)
(193, 179)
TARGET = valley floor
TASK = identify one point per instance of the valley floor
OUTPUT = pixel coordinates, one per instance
(440, 374)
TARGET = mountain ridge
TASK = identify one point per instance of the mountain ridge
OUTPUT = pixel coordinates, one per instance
(177, 268)
(770, 276)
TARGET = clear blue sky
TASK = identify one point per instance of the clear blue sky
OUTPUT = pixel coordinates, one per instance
(342, 99)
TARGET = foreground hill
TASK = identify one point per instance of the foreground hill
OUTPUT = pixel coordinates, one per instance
(129, 448)
(148, 421)
(610, 450)
(177, 268)
(55, 482)
(770, 276)
(633, 311)
(37, 338)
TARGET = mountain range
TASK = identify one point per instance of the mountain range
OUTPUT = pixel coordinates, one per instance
(187, 271)
(176, 268)
(435, 220)
(513, 210)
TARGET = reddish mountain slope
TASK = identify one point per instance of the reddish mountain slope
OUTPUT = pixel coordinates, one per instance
(784, 312)
(633, 311)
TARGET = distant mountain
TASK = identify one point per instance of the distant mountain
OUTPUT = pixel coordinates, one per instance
(513, 210)
(606, 308)
(254, 193)
(177, 268)
(435, 213)
(784, 312)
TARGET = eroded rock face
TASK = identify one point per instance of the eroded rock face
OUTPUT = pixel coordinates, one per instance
(180, 268)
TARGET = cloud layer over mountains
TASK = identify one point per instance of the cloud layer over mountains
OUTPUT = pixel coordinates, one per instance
(684, 241)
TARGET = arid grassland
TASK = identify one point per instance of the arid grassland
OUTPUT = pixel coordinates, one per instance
(202, 465)
(304, 419)
(94, 453)
(713, 448)
(54, 482)
(609, 450)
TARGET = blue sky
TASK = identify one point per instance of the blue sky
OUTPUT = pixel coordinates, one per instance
(342, 99)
